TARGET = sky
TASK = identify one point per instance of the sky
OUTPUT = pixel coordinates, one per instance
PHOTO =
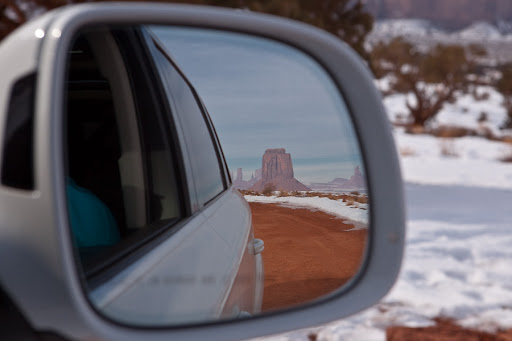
(264, 94)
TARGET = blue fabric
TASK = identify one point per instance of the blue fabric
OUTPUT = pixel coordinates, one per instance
(92, 223)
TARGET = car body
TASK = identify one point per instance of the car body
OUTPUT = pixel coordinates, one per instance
(162, 175)
(89, 82)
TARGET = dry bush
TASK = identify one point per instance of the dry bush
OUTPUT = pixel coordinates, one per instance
(362, 199)
(283, 193)
(407, 151)
(333, 196)
(415, 129)
(351, 198)
(506, 139)
(268, 189)
(247, 192)
(452, 131)
(484, 117)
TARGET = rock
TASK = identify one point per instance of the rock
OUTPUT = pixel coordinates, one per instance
(277, 170)
(356, 182)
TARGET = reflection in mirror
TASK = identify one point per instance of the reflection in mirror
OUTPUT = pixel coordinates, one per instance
(290, 143)
(160, 234)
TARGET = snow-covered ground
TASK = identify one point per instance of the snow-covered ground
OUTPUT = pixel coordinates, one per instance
(356, 212)
(458, 259)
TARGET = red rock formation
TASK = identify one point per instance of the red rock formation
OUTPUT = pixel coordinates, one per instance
(356, 182)
(277, 170)
(357, 179)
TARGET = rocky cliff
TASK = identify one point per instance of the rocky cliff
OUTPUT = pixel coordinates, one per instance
(240, 183)
(453, 14)
(356, 182)
(277, 170)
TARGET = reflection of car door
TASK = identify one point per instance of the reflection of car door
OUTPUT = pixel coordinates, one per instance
(149, 153)
(229, 216)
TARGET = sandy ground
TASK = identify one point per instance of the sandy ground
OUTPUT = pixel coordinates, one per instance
(444, 330)
(307, 253)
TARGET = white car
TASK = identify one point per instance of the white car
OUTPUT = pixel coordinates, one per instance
(118, 217)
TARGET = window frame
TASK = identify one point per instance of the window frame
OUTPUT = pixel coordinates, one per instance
(133, 247)
(153, 41)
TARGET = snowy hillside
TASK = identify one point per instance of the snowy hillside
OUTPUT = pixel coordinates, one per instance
(458, 259)
(405, 27)
(466, 161)
(477, 32)
(480, 31)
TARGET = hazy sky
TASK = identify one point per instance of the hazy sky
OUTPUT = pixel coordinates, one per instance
(263, 94)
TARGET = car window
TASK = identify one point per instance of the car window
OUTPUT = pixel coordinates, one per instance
(204, 155)
(122, 182)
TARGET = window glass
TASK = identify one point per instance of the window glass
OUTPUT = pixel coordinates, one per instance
(17, 165)
(121, 179)
(200, 146)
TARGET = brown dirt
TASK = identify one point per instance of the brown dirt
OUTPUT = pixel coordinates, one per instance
(307, 253)
(310, 253)
(444, 330)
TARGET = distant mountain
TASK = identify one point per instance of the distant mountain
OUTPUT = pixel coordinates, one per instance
(277, 170)
(450, 14)
(356, 182)
(496, 38)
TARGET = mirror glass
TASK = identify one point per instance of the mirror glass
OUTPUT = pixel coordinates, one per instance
(210, 175)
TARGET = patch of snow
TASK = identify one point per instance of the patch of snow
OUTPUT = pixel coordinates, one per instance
(479, 31)
(404, 27)
(356, 213)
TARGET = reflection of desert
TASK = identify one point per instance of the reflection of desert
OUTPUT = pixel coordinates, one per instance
(308, 253)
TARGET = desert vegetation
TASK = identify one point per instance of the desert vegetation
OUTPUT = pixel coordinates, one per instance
(504, 85)
(349, 198)
(434, 77)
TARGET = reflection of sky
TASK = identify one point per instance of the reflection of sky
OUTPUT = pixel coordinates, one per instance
(262, 94)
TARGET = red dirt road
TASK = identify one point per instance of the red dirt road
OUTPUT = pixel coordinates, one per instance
(307, 253)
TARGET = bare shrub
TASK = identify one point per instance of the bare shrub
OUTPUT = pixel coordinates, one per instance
(407, 151)
(448, 131)
(484, 117)
(283, 193)
(506, 139)
(268, 189)
(247, 192)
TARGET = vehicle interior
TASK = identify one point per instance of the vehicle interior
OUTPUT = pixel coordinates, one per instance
(113, 151)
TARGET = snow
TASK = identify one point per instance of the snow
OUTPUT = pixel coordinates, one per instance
(480, 30)
(356, 212)
(404, 27)
(467, 161)
(458, 259)
(423, 29)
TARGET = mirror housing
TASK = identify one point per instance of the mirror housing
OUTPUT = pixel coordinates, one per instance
(53, 288)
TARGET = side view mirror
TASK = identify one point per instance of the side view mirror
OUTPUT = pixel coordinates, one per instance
(135, 116)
